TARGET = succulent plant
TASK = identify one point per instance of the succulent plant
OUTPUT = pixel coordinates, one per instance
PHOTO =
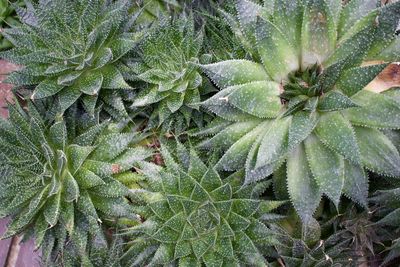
(71, 49)
(300, 102)
(61, 179)
(192, 217)
(168, 63)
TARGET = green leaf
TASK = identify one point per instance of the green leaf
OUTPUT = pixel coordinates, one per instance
(175, 101)
(229, 134)
(376, 111)
(112, 145)
(337, 133)
(69, 78)
(90, 83)
(58, 134)
(352, 12)
(392, 219)
(121, 46)
(353, 49)
(219, 104)
(387, 23)
(303, 123)
(260, 99)
(104, 56)
(70, 188)
(148, 96)
(327, 168)
(274, 142)
(318, 33)
(254, 174)
(131, 156)
(211, 180)
(90, 135)
(355, 79)
(277, 54)
(201, 245)
(288, 18)
(67, 97)
(77, 155)
(377, 152)
(236, 155)
(87, 179)
(113, 78)
(89, 103)
(182, 249)
(334, 100)
(247, 13)
(355, 184)
(303, 190)
(46, 88)
(235, 72)
(196, 166)
(52, 209)
(163, 255)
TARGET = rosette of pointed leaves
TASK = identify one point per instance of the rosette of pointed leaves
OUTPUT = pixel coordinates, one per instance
(168, 59)
(70, 49)
(303, 103)
(60, 179)
(192, 217)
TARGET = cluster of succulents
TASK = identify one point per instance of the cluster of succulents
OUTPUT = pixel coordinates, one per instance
(203, 133)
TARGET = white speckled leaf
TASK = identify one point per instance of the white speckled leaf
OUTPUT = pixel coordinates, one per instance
(355, 79)
(175, 101)
(77, 155)
(219, 104)
(46, 88)
(70, 188)
(376, 111)
(288, 18)
(111, 146)
(352, 12)
(113, 78)
(230, 134)
(274, 142)
(254, 174)
(90, 83)
(52, 210)
(147, 97)
(247, 13)
(234, 72)
(318, 32)
(235, 157)
(327, 168)
(335, 100)
(377, 152)
(355, 183)
(353, 49)
(302, 125)
(277, 54)
(303, 190)
(260, 99)
(337, 133)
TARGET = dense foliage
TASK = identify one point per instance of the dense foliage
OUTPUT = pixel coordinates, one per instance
(203, 133)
